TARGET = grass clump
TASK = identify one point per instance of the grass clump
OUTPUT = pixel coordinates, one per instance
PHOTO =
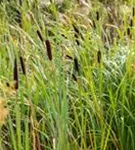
(67, 77)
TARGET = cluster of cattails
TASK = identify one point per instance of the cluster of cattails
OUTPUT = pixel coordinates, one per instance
(47, 43)
(49, 51)
(16, 72)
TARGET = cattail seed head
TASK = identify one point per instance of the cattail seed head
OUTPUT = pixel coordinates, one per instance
(40, 36)
(16, 74)
(97, 15)
(48, 48)
(76, 34)
(76, 29)
(74, 77)
(131, 23)
(128, 31)
(22, 65)
(94, 24)
(7, 84)
(18, 18)
(69, 57)
(99, 56)
(133, 11)
(76, 65)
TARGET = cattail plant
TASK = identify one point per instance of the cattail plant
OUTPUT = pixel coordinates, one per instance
(93, 24)
(76, 34)
(133, 11)
(7, 84)
(49, 50)
(22, 65)
(99, 56)
(97, 15)
(16, 74)
(76, 65)
(18, 18)
(40, 36)
(76, 29)
(74, 77)
(69, 57)
(128, 31)
(131, 23)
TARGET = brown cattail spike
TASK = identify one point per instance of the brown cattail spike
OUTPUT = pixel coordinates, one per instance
(40, 36)
(133, 11)
(22, 65)
(49, 51)
(99, 56)
(76, 65)
(131, 23)
(76, 29)
(97, 16)
(76, 34)
(74, 77)
(94, 24)
(7, 84)
(16, 74)
(18, 18)
(69, 57)
(128, 31)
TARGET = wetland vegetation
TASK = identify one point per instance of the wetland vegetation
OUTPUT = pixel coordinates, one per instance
(67, 75)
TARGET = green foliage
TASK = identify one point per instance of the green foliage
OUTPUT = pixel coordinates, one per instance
(80, 99)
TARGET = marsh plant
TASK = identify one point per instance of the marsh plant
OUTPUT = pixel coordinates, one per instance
(67, 75)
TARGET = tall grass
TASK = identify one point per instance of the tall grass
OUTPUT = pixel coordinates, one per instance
(75, 80)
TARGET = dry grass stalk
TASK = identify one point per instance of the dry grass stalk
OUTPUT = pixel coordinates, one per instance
(3, 111)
